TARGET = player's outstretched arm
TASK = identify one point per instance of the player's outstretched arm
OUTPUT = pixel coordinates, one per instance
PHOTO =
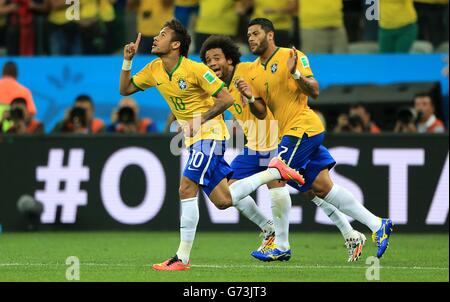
(308, 85)
(129, 51)
(223, 101)
(257, 105)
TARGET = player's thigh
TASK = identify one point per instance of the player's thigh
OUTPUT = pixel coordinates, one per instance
(221, 196)
(322, 184)
(188, 188)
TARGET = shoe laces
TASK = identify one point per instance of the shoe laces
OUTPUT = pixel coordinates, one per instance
(173, 260)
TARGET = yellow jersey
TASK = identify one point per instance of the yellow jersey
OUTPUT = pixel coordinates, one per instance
(217, 17)
(89, 9)
(281, 21)
(397, 13)
(189, 91)
(186, 3)
(262, 135)
(58, 16)
(319, 14)
(443, 2)
(274, 83)
(151, 17)
(106, 11)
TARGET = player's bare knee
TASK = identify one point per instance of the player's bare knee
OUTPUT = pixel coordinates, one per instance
(187, 191)
(223, 204)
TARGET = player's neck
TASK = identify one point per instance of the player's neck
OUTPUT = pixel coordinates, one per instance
(227, 78)
(170, 61)
(268, 53)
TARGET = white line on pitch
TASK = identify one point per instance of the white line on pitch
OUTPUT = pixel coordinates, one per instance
(268, 266)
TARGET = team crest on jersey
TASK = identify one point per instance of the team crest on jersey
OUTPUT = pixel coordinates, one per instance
(274, 67)
(182, 84)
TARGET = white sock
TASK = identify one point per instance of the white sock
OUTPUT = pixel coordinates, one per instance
(345, 202)
(247, 206)
(335, 215)
(281, 206)
(246, 186)
(188, 225)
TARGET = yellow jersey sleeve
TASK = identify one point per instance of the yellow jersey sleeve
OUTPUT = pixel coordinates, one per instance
(207, 80)
(303, 65)
(144, 78)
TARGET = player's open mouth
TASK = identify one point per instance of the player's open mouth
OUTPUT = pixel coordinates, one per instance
(217, 71)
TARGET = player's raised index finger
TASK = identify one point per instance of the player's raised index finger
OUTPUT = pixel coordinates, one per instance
(138, 40)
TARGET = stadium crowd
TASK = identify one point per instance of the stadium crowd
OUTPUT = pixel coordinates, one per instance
(52, 27)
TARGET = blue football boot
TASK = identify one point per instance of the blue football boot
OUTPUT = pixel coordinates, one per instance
(381, 237)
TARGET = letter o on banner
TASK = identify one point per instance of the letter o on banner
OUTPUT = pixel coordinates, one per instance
(155, 188)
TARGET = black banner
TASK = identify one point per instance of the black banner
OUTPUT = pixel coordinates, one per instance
(131, 183)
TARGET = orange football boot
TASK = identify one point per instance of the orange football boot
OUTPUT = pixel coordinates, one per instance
(173, 264)
(286, 172)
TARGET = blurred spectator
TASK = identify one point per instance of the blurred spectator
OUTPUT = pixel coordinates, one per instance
(10, 89)
(185, 10)
(398, 26)
(322, 26)
(126, 119)
(427, 122)
(20, 120)
(280, 13)
(218, 17)
(406, 121)
(64, 37)
(107, 17)
(80, 118)
(361, 111)
(20, 31)
(151, 16)
(349, 124)
(92, 27)
(6, 8)
(432, 21)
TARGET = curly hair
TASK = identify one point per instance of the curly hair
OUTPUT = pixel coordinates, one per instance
(180, 34)
(229, 48)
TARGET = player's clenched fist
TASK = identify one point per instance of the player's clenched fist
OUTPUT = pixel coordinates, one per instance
(131, 48)
(244, 88)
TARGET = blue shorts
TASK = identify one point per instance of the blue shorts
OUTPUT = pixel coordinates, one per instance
(206, 165)
(307, 155)
(250, 162)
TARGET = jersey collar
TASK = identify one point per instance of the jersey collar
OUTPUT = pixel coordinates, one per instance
(270, 58)
(173, 71)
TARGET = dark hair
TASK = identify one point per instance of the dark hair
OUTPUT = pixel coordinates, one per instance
(84, 98)
(19, 101)
(180, 34)
(359, 105)
(266, 24)
(422, 95)
(10, 69)
(229, 48)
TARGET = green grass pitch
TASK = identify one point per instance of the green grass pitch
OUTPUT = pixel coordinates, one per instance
(127, 256)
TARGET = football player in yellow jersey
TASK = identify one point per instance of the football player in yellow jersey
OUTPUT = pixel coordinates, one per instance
(197, 98)
(222, 55)
(285, 81)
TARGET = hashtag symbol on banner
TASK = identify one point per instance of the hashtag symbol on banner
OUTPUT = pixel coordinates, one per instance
(62, 185)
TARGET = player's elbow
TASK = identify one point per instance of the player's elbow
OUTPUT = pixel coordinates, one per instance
(315, 94)
(124, 91)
